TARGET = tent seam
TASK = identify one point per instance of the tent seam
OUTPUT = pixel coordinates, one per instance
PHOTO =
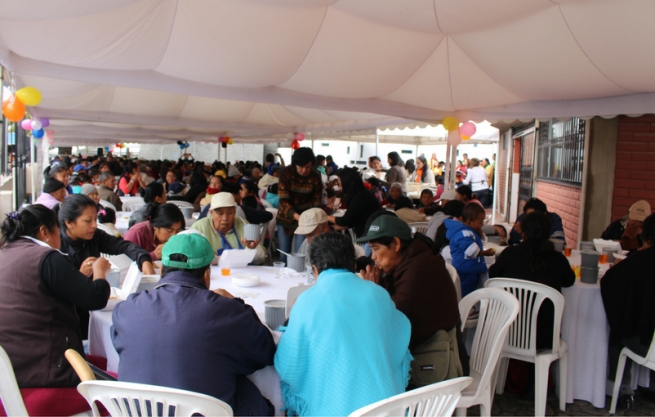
(170, 33)
(270, 111)
(308, 49)
(436, 16)
(450, 80)
(561, 12)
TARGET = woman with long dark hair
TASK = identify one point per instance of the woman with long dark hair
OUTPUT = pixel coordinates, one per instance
(154, 193)
(360, 201)
(39, 290)
(130, 181)
(536, 260)
(396, 172)
(422, 174)
(163, 221)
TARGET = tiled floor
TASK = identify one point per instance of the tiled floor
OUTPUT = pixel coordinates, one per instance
(513, 405)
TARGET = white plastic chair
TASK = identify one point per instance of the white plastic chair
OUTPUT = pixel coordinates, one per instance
(648, 361)
(133, 205)
(497, 311)
(180, 203)
(455, 277)
(521, 342)
(292, 296)
(106, 229)
(419, 227)
(105, 203)
(437, 399)
(267, 204)
(12, 400)
(129, 399)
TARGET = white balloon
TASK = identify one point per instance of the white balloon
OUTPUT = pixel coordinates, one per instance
(290, 136)
(36, 124)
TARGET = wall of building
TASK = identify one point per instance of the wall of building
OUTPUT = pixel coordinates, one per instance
(564, 201)
(501, 172)
(207, 152)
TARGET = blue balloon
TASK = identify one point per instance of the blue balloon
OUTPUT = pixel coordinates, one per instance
(182, 146)
(186, 145)
(106, 148)
(38, 133)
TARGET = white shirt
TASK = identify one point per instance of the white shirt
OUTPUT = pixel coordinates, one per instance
(477, 178)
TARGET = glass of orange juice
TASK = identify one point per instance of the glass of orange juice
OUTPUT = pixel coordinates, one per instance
(602, 259)
(225, 268)
(567, 252)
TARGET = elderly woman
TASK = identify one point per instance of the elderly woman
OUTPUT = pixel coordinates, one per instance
(54, 192)
(224, 230)
(162, 222)
(353, 358)
(39, 322)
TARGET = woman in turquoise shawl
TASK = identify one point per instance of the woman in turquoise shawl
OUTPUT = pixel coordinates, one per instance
(346, 344)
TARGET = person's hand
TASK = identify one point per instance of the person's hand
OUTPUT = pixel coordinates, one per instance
(250, 244)
(224, 293)
(488, 252)
(87, 266)
(100, 267)
(296, 216)
(147, 268)
(371, 273)
(517, 227)
(420, 210)
(158, 251)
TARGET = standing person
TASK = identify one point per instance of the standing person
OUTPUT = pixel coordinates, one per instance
(361, 202)
(131, 180)
(54, 192)
(197, 340)
(320, 164)
(410, 168)
(396, 173)
(358, 355)
(330, 168)
(435, 167)
(162, 222)
(489, 169)
(39, 290)
(422, 175)
(106, 190)
(476, 176)
(300, 188)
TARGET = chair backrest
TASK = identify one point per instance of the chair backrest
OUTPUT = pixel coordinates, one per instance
(105, 229)
(267, 203)
(497, 310)
(263, 229)
(438, 399)
(105, 203)
(133, 205)
(181, 203)
(292, 296)
(419, 227)
(10, 395)
(352, 234)
(455, 276)
(522, 336)
(129, 399)
(82, 369)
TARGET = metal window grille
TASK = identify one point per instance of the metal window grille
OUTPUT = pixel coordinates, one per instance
(561, 151)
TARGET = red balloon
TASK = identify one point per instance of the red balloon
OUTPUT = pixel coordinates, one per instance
(300, 136)
(295, 145)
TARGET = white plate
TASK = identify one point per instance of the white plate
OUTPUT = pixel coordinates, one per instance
(245, 280)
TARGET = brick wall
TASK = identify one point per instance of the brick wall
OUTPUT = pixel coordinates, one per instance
(634, 177)
(564, 201)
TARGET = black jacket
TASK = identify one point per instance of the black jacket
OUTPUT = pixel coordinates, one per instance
(79, 250)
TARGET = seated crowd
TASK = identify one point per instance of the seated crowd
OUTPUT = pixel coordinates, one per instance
(384, 296)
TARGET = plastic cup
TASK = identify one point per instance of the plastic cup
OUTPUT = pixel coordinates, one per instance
(567, 252)
(225, 271)
(602, 259)
(279, 269)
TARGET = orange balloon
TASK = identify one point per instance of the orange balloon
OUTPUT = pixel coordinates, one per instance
(13, 109)
(464, 137)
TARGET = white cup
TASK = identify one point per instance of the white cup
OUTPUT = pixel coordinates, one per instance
(274, 313)
(251, 232)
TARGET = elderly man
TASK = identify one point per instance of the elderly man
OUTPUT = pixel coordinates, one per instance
(195, 339)
(312, 223)
(255, 175)
(54, 192)
(416, 277)
(224, 229)
(106, 190)
(627, 229)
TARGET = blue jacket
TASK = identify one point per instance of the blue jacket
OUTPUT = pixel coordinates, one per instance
(182, 335)
(469, 268)
(556, 229)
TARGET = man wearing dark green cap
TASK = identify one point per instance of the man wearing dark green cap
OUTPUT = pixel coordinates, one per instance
(415, 275)
(181, 335)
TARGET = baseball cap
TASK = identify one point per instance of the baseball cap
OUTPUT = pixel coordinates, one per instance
(387, 226)
(639, 211)
(196, 248)
(222, 200)
(448, 195)
(309, 219)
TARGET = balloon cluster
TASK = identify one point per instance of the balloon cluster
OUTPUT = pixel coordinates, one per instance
(183, 145)
(466, 130)
(14, 107)
(120, 146)
(36, 126)
(297, 138)
(225, 140)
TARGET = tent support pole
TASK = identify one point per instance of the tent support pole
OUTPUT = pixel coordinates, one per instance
(33, 181)
(161, 152)
(377, 142)
(447, 173)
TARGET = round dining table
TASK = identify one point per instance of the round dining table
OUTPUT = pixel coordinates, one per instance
(269, 288)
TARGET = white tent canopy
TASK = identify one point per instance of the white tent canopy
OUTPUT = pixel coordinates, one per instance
(166, 70)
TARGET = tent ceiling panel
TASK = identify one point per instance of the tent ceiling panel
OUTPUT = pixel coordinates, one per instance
(262, 68)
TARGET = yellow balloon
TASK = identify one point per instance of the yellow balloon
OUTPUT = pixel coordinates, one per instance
(230, 141)
(30, 96)
(465, 137)
(450, 123)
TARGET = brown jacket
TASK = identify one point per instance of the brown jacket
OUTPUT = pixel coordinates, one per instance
(424, 291)
(36, 327)
(109, 195)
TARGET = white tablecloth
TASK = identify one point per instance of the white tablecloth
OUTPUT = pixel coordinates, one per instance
(123, 219)
(267, 379)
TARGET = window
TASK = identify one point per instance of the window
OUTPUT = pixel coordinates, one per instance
(561, 151)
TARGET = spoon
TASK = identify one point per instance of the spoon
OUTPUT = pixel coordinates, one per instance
(281, 251)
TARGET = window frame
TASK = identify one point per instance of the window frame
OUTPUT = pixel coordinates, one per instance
(561, 151)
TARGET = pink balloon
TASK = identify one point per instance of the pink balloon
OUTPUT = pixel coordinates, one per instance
(26, 124)
(300, 137)
(467, 129)
(45, 122)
